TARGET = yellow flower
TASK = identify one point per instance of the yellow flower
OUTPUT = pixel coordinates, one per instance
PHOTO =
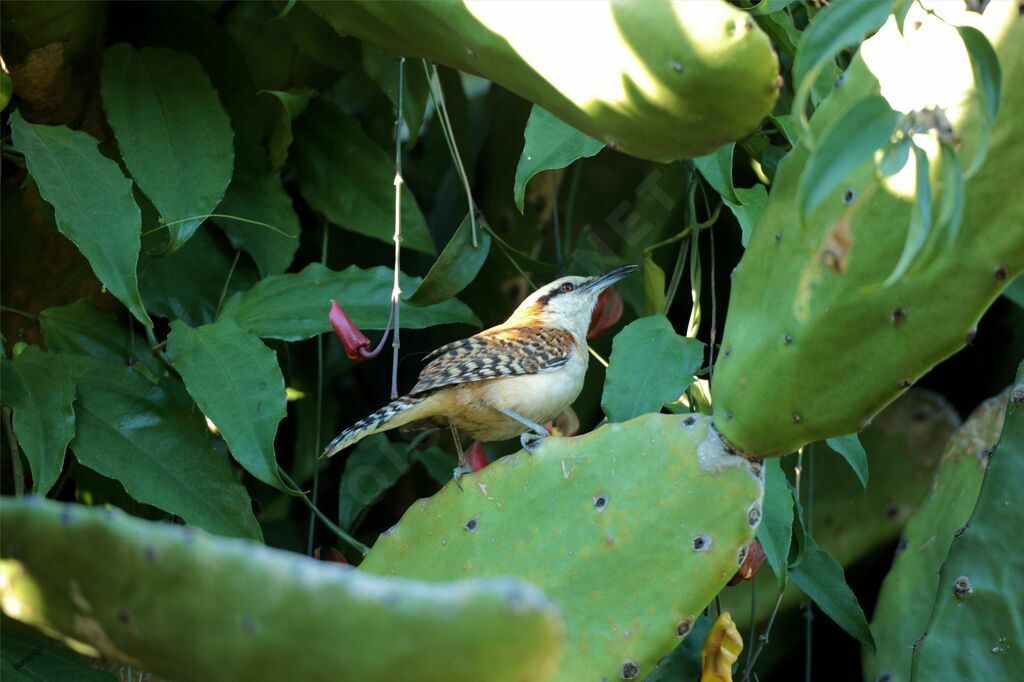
(721, 649)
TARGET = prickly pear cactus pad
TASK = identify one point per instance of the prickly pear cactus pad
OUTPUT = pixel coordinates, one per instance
(658, 80)
(976, 629)
(182, 604)
(906, 598)
(631, 530)
(815, 343)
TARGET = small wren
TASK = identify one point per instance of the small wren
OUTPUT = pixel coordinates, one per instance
(505, 381)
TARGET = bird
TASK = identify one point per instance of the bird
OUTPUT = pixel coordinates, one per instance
(506, 380)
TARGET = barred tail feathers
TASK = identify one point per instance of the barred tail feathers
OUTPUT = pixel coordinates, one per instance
(396, 413)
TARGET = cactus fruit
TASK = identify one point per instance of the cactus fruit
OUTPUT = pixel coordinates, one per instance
(906, 597)
(183, 604)
(657, 80)
(904, 445)
(976, 628)
(631, 530)
(814, 345)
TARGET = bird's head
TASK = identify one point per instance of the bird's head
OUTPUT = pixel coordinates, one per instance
(568, 302)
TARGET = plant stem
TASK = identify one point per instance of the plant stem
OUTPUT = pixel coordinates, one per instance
(319, 409)
(227, 283)
(363, 549)
(396, 290)
(17, 471)
(9, 309)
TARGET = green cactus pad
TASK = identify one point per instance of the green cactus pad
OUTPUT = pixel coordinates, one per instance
(631, 530)
(658, 80)
(904, 445)
(906, 597)
(183, 604)
(976, 629)
(814, 345)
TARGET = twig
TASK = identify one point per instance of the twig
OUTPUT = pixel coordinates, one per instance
(319, 410)
(763, 638)
(363, 549)
(396, 290)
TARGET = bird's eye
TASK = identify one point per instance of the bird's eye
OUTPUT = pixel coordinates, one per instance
(567, 287)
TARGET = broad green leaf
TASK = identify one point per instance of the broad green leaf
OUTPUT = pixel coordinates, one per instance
(654, 285)
(187, 284)
(650, 365)
(1015, 291)
(92, 203)
(748, 211)
(237, 383)
(551, 143)
(173, 134)
(133, 431)
(382, 67)
(839, 25)
(951, 201)
(776, 530)
(315, 38)
(850, 141)
(347, 177)
(780, 28)
(853, 452)
(770, 6)
(920, 218)
(716, 169)
(988, 83)
(822, 579)
(455, 268)
(41, 392)
(292, 104)
(256, 194)
(27, 657)
(439, 463)
(294, 306)
(374, 466)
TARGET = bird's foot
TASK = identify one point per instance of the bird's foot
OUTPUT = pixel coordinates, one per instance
(459, 472)
(532, 441)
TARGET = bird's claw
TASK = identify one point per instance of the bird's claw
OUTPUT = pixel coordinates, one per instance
(459, 472)
(531, 441)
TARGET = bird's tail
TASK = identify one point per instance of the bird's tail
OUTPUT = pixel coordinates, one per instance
(396, 413)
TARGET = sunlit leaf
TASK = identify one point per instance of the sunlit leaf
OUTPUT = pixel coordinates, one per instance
(550, 143)
(776, 529)
(895, 157)
(951, 200)
(920, 218)
(41, 392)
(650, 364)
(853, 452)
(716, 169)
(847, 143)
(172, 132)
(237, 383)
(92, 203)
(294, 306)
(347, 177)
(839, 25)
(455, 268)
(988, 80)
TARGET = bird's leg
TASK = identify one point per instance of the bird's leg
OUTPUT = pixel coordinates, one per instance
(463, 467)
(530, 440)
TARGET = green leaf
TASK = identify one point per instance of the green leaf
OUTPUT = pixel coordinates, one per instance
(133, 431)
(347, 177)
(847, 143)
(853, 452)
(374, 466)
(716, 169)
(895, 157)
(238, 385)
(550, 144)
(294, 306)
(1015, 291)
(173, 134)
(187, 283)
(776, 530)
(293, 103)
(988, 79)
(770, 6)
(455, 268)
(6, 89)
(839, 25)
(920, 218)
(92, 203)
(822, 579)
(382, 67)
(748, 211)
(439, 463)
(951, 201)
(29, 657)
(256, 193)
(650, 365)
(683, 664)
(654, 285)
(41, 393)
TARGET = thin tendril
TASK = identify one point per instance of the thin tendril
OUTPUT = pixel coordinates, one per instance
(164, 226)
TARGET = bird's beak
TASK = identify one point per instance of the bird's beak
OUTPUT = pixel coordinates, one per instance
(609, 278)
